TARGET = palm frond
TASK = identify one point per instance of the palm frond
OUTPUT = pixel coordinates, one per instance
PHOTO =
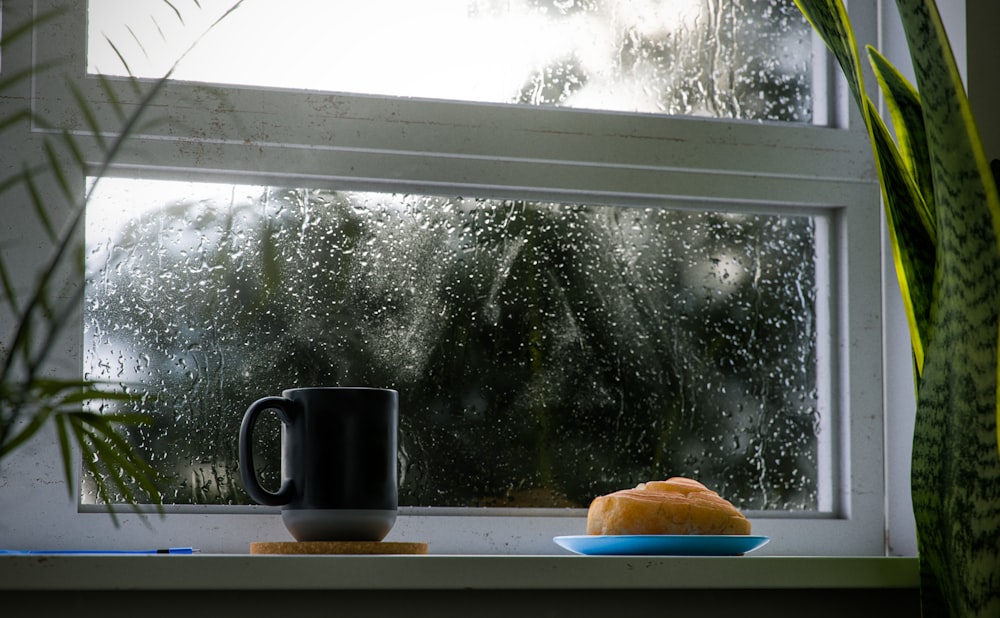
(28, 400)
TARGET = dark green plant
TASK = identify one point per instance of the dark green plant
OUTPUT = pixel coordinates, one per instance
(943, 211)
(30, 398)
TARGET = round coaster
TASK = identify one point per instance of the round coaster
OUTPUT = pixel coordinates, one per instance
(338, 547)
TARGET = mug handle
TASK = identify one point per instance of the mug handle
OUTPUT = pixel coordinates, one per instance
(247, 471)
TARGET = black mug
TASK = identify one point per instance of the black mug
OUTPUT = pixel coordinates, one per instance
(338, 461)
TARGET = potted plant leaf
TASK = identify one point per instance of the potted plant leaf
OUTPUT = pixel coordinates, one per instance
(32, 395)
(943, 216)
(33, 317)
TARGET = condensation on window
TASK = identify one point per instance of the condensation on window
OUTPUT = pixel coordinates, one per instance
(544, 353)
(744, 59)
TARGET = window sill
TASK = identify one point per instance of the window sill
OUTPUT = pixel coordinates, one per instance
(445, 586)
(449, 572)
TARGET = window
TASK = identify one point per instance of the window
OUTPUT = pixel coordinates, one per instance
(544, 353)
(410, 157)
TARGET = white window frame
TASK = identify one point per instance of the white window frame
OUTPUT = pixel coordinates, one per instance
(380, 143)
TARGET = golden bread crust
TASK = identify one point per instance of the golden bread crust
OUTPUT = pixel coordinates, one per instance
(675, 506)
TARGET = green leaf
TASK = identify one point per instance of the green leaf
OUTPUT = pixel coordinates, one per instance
(9, 294)
(56, 167)
(66, 452)
(913, 245)
(118, 53)
(13, 119)
(906, 111)
(28, 27)
(956, 441)
(138, 41)
(109, 453)
(112, 97)
(180, 17)
(29, 401)
(36, 422)
(829, 19)
(960, 169)
(966, 195)
(909, 217)
(91, 465)
(74, 149)
(88, 114)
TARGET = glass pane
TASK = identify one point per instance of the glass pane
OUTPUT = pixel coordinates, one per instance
(544, 353)
(748, 59)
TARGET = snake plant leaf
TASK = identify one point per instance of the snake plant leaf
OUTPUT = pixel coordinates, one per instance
(910, 232)
(909, 198)
(965, 188)
(955, 471)
(829, 19)
(958, 161)
(912, 243)
(907, 113)
(955, 475)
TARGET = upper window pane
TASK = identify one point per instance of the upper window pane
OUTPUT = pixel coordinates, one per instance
(743, 59)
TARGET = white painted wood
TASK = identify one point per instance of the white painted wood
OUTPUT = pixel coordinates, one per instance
(567, 572)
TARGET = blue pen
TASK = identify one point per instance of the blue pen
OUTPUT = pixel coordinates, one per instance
(52, 552)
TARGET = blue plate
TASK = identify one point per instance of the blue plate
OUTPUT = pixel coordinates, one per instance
(661, 544)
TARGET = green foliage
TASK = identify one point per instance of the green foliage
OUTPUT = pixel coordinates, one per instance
(542, 352)
(909, 214)
(29, 397)
(944, 220)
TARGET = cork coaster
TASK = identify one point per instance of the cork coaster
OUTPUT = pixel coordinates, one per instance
(339, 547)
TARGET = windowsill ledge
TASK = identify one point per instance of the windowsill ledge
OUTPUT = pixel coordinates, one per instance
(449, 572)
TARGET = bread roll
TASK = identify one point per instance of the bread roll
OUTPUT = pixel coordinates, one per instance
(675, 506)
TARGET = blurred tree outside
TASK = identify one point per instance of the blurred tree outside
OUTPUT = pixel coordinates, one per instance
(544, 353)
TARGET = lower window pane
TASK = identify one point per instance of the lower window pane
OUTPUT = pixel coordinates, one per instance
(544, 353)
